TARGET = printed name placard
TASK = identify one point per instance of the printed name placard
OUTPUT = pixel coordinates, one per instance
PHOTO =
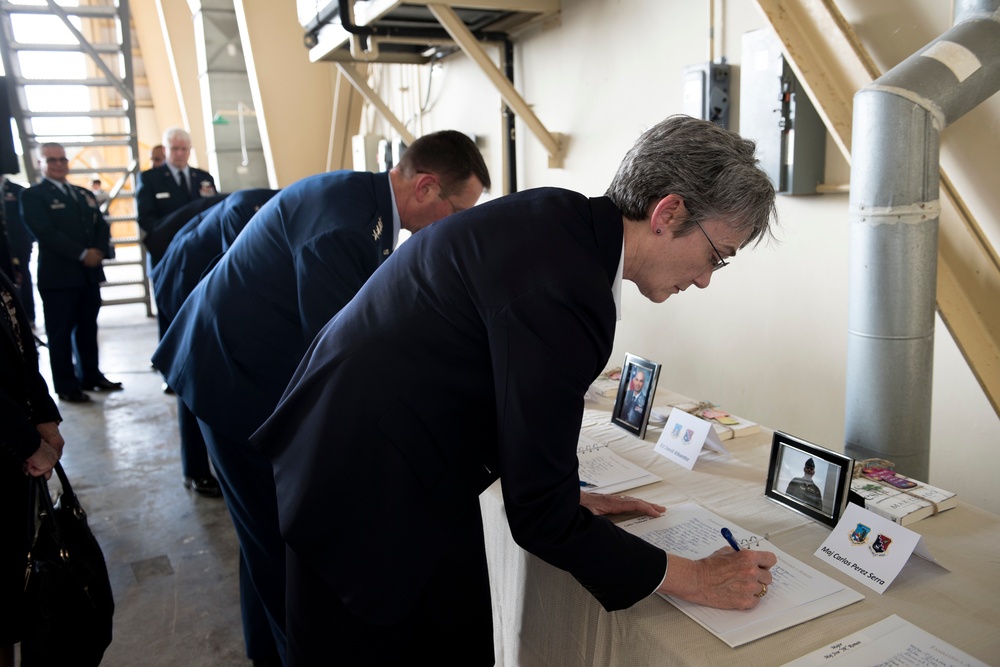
(684, 436)
(870, 548)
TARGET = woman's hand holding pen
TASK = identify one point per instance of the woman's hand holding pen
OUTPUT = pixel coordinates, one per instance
(727, 579)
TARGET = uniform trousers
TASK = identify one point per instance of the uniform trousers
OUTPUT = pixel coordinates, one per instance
(71, 327)
(194, 454)
(247, 483)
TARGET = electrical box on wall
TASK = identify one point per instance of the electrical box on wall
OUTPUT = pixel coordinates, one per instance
(706, 92)
(776, 113)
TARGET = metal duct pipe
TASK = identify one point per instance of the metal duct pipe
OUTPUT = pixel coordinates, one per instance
(894, 213)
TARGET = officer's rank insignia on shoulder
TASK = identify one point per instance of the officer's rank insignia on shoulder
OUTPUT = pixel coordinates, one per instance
(377, 232)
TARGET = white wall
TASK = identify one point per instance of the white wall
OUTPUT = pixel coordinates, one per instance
(768, 340)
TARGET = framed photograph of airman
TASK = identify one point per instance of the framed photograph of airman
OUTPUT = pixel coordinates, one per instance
(635, 394)
(808, 479)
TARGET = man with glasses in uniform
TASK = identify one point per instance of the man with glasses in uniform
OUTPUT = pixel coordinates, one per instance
(73, 241)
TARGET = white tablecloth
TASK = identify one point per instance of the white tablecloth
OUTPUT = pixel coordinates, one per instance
(542, 616)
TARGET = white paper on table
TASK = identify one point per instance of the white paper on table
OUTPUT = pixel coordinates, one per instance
(891, 641)
(799, 592)
(604, 471)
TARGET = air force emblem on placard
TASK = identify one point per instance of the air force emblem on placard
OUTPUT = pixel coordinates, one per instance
(881, 545)
(377, 232)
(860, 534)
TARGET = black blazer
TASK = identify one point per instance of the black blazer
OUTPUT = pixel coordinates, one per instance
(158, 194)
(465, 358)
(24, 396)
(65, 227)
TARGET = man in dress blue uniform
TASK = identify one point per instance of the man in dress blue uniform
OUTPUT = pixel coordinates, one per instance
(73, 241)
(240, 334)
(635, 400)
(193, 250)
(166, 188)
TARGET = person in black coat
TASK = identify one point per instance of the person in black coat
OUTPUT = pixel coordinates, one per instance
(164, 189)
(466, 358)
(73, 241)
(30, 445)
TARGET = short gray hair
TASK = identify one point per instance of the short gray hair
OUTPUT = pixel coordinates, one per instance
(178, 132)
(712, 169)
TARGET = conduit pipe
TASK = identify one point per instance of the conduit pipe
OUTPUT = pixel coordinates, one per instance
(894, 213)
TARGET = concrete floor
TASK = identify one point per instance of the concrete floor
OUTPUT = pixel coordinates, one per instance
(172, 555)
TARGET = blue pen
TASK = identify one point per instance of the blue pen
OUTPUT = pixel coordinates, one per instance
(587, 485)
(726, 533)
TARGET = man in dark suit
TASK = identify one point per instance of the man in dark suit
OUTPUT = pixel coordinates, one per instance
(466, 358)
(240, 334)
(73, 241)
(193, 250)
(166, 188)
(21, 242)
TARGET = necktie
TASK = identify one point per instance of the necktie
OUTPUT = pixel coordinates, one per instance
(184, 184)
(70, 195)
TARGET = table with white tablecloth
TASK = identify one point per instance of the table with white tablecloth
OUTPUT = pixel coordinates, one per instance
(542, 616)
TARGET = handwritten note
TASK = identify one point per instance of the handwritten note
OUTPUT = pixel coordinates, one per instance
(798, 593)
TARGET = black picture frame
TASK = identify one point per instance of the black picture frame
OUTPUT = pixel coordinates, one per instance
(628, 412)
(788, 480)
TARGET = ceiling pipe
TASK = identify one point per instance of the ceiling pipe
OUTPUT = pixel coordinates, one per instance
(894, 214)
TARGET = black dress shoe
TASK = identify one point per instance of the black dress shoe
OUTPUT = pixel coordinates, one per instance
(75, 396)
(104, 384)
(204, 486)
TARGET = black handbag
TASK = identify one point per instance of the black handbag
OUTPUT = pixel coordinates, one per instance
(68, 600)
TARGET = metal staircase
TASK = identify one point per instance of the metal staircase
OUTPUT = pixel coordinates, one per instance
(70, 77)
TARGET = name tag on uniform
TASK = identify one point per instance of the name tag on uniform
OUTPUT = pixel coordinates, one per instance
(57, 205)
(163, 195)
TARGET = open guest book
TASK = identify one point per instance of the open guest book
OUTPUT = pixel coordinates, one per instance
(603, 471)
(798, 593)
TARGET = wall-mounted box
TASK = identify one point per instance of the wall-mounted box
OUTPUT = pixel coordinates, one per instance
(706, 92)
(776, 113)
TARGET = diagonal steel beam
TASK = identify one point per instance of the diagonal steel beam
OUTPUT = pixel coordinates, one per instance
(358, 81)
(455, 27)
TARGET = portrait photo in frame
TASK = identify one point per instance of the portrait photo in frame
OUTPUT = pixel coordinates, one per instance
(634, 401)
(806, 478)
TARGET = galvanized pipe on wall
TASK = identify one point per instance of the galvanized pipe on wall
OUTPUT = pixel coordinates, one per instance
(894, 213)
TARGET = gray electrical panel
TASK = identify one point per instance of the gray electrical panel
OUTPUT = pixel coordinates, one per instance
(706, 92)
(776, 113)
